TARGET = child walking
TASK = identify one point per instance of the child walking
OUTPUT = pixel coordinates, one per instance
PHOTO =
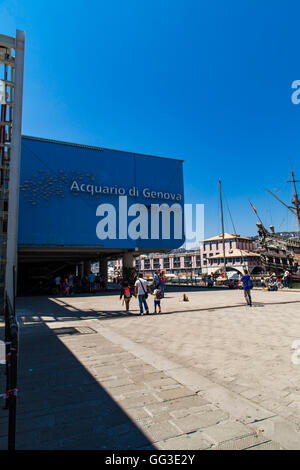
(126, 293)
(157, 298)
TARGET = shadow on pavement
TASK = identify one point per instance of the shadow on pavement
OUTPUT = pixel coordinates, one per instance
(59, 309)
(60, 405)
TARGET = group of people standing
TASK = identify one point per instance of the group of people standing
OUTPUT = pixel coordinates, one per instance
(69, 284)
(142, 289)
(62, 285)
(273, 282)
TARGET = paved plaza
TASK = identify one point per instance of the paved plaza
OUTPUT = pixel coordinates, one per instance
(210, 373)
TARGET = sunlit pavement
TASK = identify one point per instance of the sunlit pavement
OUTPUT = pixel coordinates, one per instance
(210, 373)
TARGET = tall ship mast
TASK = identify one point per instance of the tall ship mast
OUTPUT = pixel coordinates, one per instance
(295, 203)
(222, 222)
(279, 253)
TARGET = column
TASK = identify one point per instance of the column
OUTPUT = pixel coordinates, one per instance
(128, 271)
(103, 267)
(81, 269)
(87, 267)
(14, 170)
(128, 260)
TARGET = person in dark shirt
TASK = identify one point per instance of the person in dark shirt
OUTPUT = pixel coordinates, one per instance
(247, 286)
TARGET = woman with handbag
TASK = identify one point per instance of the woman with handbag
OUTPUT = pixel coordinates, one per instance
(141, 291)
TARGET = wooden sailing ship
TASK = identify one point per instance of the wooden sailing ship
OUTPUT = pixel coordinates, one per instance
(279, 253)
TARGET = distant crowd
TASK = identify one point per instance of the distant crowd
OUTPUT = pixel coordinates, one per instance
(140, 288)
(268, 281)
(70, 284)
(273, 282)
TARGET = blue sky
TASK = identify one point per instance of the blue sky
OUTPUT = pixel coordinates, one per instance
(205, 81)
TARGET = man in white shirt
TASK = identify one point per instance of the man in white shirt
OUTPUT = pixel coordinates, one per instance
(141, 289)
(286, 279)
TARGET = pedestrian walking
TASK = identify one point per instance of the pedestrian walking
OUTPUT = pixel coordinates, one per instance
(156, 280)
(162, 283)
(58, 284)
(142, 288)
(157, 299)
(97, 282)
(66, 286)
(247, 286)
(71, 284)
(286, 279)
(126, 294)
(92, 278)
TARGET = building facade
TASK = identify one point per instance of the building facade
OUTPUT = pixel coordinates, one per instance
(240, 254)
(93, 205)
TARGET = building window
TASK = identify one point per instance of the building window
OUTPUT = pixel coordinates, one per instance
(147, 264)
(156, 263)
(166, 263)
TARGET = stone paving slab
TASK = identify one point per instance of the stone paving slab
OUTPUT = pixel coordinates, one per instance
(246, 443)
(200, 378)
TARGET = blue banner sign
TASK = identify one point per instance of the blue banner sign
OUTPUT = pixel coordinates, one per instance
(80, 196)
